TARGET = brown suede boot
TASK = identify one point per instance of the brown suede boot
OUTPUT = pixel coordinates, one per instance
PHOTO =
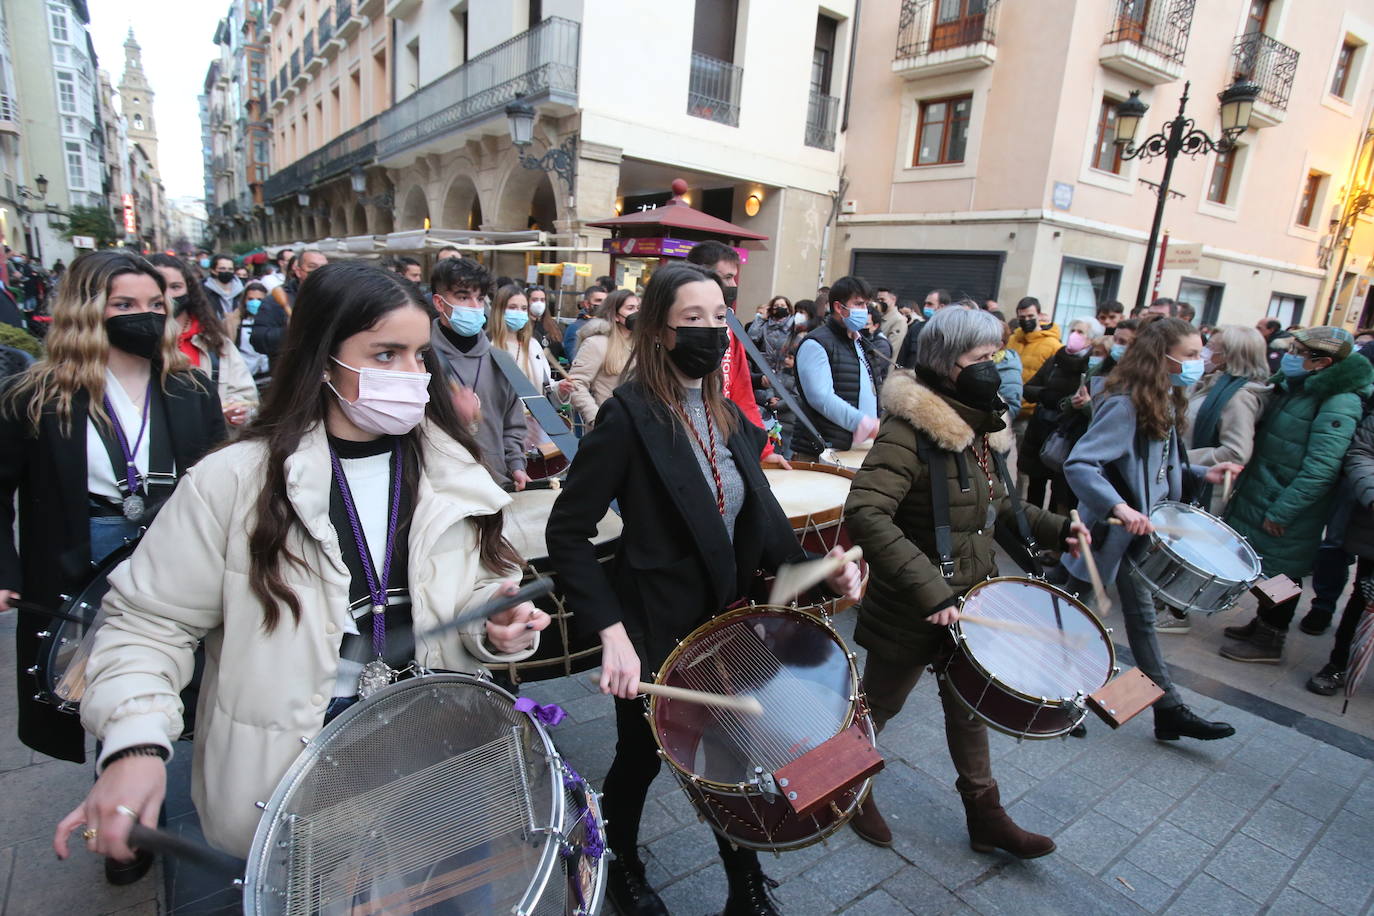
(869, 824)
(989, 828)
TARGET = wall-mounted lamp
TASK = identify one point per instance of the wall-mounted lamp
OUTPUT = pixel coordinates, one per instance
(752, 203)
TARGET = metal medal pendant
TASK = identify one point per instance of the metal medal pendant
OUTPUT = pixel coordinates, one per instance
(376, 675)
(133, 507)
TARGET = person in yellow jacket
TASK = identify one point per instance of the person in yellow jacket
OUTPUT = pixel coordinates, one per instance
(1035, 340)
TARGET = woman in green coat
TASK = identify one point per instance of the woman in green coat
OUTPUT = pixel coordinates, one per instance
(951, 405)
(1284, 497)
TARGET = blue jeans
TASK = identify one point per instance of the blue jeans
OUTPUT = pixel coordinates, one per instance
(1138, 614)
(108, 534)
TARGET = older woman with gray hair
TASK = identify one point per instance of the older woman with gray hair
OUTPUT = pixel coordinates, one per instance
(946, 416)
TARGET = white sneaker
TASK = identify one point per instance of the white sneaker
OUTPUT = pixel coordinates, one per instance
(1168, 623)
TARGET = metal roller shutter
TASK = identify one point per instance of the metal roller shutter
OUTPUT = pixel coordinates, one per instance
(913, 274)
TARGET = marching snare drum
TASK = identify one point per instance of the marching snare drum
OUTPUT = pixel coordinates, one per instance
(1030, 677)
(813, 497)
(60, 669)
(561, 651)
(733, 765)
(434, 795)
(1196, 563)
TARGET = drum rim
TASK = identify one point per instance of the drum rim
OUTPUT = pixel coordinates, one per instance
(826, 518)
(1257, 564)
(258, 857)
(1028, 736)
(961, 643)
(720, 620)
(47, 647)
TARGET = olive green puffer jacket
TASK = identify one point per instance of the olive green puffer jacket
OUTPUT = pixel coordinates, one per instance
(1299, 449)
(889, 515)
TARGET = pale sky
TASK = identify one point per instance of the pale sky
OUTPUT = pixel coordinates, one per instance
(178, 44)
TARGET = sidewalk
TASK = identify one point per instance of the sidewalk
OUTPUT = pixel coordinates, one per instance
(1272, 820)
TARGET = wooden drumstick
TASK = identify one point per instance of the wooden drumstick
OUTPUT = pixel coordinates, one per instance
(792, 580)
(749, 705)
(1025, 629)
(1104, 604)
(1226, 485)
(1163, 529)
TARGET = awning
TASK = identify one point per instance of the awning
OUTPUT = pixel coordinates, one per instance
(676, 215)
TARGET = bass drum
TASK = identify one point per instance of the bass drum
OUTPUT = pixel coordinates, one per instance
(813, 497)
(561, 650)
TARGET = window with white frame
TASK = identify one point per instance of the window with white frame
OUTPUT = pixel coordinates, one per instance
(66, 93)
(57, 16)
(76, 166)
(1287, 309)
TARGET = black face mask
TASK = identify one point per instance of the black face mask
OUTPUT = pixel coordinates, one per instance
(978, 383)
(225, 276)
(779, 313)
(698, 351)
(629, 320)
(731, 293)
(179, 304)
(139, 334)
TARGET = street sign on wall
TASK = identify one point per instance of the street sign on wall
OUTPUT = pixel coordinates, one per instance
(1183, 257)
(83, 241)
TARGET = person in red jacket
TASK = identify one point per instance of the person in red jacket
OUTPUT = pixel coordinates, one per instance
(723, 260)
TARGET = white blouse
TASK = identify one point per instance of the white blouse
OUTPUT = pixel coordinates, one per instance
(101, 477)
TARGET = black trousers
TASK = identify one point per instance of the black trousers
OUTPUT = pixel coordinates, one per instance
(627, 787)
(1350, 617)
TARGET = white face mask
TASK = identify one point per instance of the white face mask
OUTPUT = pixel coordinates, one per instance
(536, 308)
(389, 403)
(799, 319)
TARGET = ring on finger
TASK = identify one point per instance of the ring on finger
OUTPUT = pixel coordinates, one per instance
(125, 809)
(88, 834)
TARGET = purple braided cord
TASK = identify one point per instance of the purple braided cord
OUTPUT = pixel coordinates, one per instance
(375, 590)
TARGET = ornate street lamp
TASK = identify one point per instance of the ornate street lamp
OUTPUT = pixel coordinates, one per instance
(1179, 135)
(560, 160)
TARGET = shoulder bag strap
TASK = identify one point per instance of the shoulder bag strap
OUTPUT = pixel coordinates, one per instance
(934, 459)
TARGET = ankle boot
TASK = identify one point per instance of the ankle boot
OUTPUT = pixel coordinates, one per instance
(1181, 722)
(869, 824)
(751, 893)
(990, 827)
(1264, 646)
(1242, 632)
(1316, 622)
(629, 891)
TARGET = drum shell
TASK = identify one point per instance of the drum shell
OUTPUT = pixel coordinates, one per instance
(1180, 584)
(1002, 708)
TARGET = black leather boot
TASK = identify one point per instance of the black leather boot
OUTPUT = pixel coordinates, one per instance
(1263, 647)
(629, 891)
(1242, 632)
(1181, 722)
(751, 893)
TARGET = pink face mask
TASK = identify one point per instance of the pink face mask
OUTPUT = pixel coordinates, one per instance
(1077, 342)
(389, 403)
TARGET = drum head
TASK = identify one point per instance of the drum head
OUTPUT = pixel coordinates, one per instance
(62, 662)
(528, 515)
(1075, 656)
(812, 493)
(1205, 542)
(792, 663)
(431, 796)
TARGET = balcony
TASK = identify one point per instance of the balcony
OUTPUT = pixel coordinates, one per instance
(540, 63)
(298, 79)
(329, 45)
(400, 9)
(346, 20)
(274, 11)
(822, 118)
(286, 90)
(369, 9)
(312, 63)
(1148, 40)
(9, 115)
(1271, 65)
(945, 37)
(713, 88)
(356, 147)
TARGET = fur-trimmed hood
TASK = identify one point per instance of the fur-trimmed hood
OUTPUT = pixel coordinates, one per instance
(1350, 375)
(592, 328)
(930, 412)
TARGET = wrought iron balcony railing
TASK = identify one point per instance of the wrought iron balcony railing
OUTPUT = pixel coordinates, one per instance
(541, 60)
(822, 118)
(295, 63)
(354, 147)
(1159, 26)
(713, 90)
(325, 29)
(927, 26)
(1268, 63)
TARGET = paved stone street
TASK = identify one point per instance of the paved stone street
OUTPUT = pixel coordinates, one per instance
(1274, 820)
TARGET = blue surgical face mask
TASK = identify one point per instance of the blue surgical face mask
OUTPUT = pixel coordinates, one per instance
(1190, 372)
(466, 322)
(858, 317)
(1094, 362)
(517, 318)
(205, 263)
(1292, 366)
(252, 305)
(1118, 351)
(927, 311)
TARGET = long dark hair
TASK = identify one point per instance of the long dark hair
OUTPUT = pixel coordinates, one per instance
(1143, 373)
(650, 364)
(335, 302)
(197, 305)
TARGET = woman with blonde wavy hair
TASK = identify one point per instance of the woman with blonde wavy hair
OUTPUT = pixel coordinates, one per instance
(93, 437)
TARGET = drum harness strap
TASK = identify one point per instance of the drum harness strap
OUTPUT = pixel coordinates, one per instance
(934, 458)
